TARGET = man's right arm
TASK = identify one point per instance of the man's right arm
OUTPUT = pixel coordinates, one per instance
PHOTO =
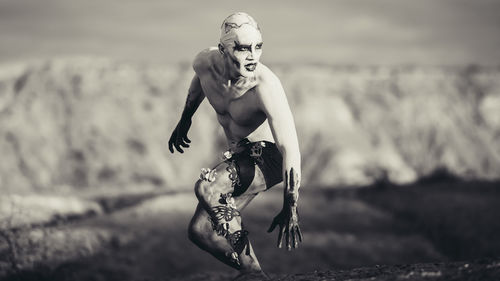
(194, 98)
(179, 138)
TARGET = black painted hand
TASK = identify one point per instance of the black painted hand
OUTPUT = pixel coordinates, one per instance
(179, 137)
(288, 222)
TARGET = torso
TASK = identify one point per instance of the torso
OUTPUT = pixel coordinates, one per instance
(237, 104)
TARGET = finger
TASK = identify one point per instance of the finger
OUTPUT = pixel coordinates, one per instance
(294, 238)
(182, 141)
(170, 147)
(287, 239)
(280, 237)
(299, 233)
(273, 226)
(178, 148)
(186, 139)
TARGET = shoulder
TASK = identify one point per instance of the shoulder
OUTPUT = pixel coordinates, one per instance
(205, 59)
(270, 92)
(268, 83)
(266, 76)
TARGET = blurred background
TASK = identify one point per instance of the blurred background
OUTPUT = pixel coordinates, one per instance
(396, 103)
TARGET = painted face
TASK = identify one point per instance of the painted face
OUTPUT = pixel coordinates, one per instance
(245, 51)
(242, 42)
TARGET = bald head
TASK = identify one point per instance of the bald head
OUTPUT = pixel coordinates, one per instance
(240, 44)
(238, 24)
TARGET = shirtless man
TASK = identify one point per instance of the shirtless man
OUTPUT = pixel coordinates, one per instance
(252, 108)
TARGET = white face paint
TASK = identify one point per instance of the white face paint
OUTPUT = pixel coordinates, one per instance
(245, 51)
(242, 43)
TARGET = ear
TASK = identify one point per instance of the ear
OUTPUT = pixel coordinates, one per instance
(221, 48)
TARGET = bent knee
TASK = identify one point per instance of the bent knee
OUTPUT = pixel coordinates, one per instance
(202, 190)
(209, 191)
(194, 233)
(198, 233)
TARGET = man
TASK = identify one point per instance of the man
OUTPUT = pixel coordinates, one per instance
(252, 108)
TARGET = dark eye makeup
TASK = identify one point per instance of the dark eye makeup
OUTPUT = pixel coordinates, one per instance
(242, 48)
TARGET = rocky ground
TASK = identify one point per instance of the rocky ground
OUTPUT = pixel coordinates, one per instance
(426, 231)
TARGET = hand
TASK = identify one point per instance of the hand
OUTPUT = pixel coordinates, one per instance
(179, 136)
(288, 221)
(288, 218)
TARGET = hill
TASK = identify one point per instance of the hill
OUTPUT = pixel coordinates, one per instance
(93, 123)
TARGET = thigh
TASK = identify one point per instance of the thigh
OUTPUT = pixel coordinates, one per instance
(257, 186)
(231, 177)
(201, 220)
(219, 181)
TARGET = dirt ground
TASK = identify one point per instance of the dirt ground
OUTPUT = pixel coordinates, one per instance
(426, 231)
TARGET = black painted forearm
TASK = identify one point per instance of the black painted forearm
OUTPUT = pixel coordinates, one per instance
(292, 183)
(194, 98)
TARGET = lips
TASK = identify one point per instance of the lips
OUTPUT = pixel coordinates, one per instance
(250, 66)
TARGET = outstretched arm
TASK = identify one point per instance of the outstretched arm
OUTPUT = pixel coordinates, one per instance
(275, 105)
(179, 135)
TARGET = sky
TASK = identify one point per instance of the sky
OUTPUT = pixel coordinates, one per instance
(374, 32)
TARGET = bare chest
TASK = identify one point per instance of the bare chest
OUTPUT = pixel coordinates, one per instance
(239, 103)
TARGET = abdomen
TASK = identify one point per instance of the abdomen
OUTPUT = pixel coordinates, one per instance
(257, 132)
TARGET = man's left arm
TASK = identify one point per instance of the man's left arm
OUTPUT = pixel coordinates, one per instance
(280, 118)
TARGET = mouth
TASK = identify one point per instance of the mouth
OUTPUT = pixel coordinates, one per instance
(250, 66)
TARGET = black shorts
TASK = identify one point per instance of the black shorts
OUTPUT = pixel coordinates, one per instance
(262, 154)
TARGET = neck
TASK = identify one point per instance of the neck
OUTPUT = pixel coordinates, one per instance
(229, 75)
